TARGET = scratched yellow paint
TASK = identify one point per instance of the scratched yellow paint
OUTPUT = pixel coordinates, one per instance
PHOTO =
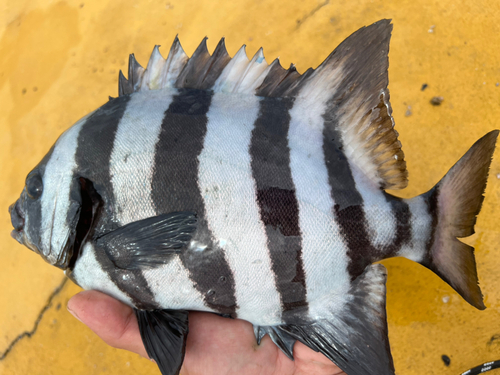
(60, 60)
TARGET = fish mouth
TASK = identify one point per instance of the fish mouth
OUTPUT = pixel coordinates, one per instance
(17, 219)
(90, 209)
(16, 216)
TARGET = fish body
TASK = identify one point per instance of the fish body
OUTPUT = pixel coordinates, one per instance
(240, 188)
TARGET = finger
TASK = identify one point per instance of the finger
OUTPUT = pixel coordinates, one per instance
(308, 361)
(110, 319)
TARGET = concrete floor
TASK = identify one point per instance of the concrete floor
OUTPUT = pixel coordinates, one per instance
(60, 60)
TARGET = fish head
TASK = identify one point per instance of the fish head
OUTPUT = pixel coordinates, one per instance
(48, 217)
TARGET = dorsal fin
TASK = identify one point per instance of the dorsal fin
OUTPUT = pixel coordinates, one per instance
(351, 83)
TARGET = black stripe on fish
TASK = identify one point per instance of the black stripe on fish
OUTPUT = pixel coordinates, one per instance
(402, 214)
(348, 208)
(95, 145)
(175, 188)
(279, 209)
(431, 200)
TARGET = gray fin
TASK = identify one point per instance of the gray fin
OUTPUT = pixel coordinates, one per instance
(282, 339)
(352, 84)
(164, 334)
(278, 81)
(259, 333)
(454, 204)
(273, 78)
(124, 86)
(148, 242)
(192, 74)
(135, 72)
(355, 339)
(174, 64)
(216, 64)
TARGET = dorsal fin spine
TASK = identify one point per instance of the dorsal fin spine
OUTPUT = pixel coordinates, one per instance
(176, 60)
(135, 72)
(152, 74)
(249, 79)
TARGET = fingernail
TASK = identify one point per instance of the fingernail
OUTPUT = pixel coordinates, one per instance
(73, 313)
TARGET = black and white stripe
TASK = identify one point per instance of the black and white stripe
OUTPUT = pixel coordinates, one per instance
(132, 169)
(279, 209)
(230, 197)
(284, 218)
(175, 188)
(93, 159)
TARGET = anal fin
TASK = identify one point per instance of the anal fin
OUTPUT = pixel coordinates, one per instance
(282, 339)
(164, 334)
(356, 338)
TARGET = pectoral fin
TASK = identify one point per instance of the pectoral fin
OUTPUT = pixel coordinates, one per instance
(149, 242)
(164, 334)
(355, 338)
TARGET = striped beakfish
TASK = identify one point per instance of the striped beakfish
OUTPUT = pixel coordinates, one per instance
(241, 188)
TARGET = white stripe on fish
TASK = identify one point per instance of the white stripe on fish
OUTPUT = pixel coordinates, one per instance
(232, 212)
(132, 159)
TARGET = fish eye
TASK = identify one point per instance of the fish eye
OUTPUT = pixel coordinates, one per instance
(34, 186)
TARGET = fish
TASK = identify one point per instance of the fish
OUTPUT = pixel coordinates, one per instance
(240, 188)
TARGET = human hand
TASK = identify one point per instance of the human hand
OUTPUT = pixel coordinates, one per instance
(215, 345)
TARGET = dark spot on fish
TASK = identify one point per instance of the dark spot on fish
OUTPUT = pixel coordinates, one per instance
(82, 5)
(446, 359)
(126, 158)
(35, 89)
(437, 100)
(94, 70)
(424, 86)
(195, 108)
(23, 91)
(279, 209)
(58, 307)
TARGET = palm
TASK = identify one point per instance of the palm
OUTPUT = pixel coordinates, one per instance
(215, 345)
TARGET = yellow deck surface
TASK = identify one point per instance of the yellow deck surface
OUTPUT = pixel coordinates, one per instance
(60, 60)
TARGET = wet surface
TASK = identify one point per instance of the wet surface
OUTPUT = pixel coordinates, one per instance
(61, 60)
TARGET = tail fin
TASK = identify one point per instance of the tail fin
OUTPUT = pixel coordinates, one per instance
(454, 204)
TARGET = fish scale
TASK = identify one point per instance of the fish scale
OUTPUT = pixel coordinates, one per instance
(237, 187)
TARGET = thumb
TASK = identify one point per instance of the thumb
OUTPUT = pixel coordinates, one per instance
(110, 319)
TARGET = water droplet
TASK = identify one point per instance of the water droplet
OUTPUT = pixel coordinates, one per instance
(222, 279)
(126, 277)
(211, 292)
(137, 288)
(446, 299)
